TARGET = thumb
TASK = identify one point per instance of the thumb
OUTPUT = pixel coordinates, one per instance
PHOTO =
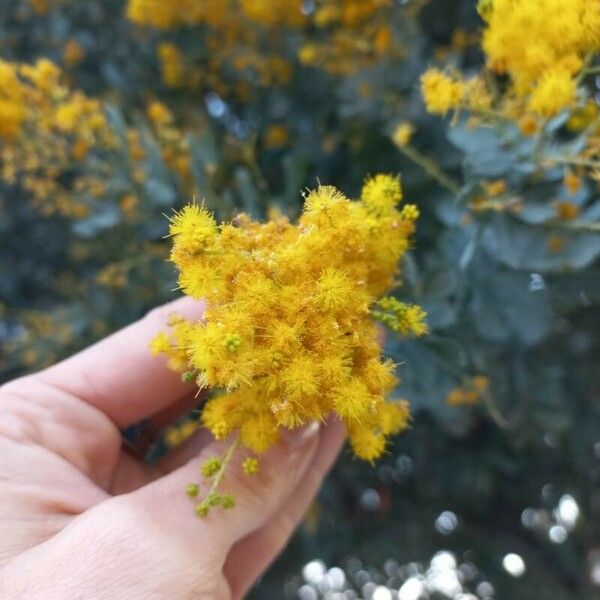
(257, 497)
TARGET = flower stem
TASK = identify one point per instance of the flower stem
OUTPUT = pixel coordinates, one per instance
(225, 462)
(494, 412)
(431, 168)
(577, 226)
(573, 160)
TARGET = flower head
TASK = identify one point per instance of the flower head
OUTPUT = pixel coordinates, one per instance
(440, 92)
(288, 335)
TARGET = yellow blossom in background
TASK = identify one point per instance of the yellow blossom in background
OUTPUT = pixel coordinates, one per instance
(113, 276)
(556, 243)
(159, 114)
(73, 53)
(555, 91)
(154, 12)
(12, 116)
(41, 7)
(289, 334)
(583, 116)
(171, 64)
(572, 182)
(308, 54)
(276, 136)
(476, 95)
(559, 35)
(541, 45)
(441, 92)
(470, 393)
(496, 188)
(44, 126)
(402, 134)
(566, 211)
(528, 125)
(339, 36)
(177, 434)
(274, 12)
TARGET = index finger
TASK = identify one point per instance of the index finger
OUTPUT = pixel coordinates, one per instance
(119, 376)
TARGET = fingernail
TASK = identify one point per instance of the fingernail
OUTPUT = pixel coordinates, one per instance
(187, 307)
(297, 438)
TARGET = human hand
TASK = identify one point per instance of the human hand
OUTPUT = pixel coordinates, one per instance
(81, 518)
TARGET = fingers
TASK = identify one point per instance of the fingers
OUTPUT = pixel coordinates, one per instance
(251, 556)
(257, 497)
(153, 545)
(119, 376)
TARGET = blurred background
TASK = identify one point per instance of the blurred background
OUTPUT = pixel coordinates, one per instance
(115, 112)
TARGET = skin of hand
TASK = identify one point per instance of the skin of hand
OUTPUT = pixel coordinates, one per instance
(81, 518)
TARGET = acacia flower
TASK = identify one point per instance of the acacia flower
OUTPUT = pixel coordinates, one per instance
(440, 92)
(289, 334)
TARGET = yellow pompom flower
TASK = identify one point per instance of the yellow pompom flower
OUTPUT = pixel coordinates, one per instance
(333, 289)
(440, 92)
(381, 194)
(12, 116)
(528, 125)
(367, 444)
(159, 114)
(353, 399)
(260, 432)
(402, 134)
(572, 182)
(554, 92)
(583, 116)
(171, 64)
(544, 62)
(289, 333)
(73, 53)
(193, 230)
(470, 393)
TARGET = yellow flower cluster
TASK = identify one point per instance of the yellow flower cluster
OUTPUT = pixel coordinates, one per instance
(172, 141)
(57, 145)
(166, 14)
(237, 35)
(41, 7)
(73, 53)
(44, 129)
(402, 134)
(541, 45)
(171, 64)
(339, 36)
(349, 35)
(470, 393)
(289, 333)
(441, 92)
(555, 90)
